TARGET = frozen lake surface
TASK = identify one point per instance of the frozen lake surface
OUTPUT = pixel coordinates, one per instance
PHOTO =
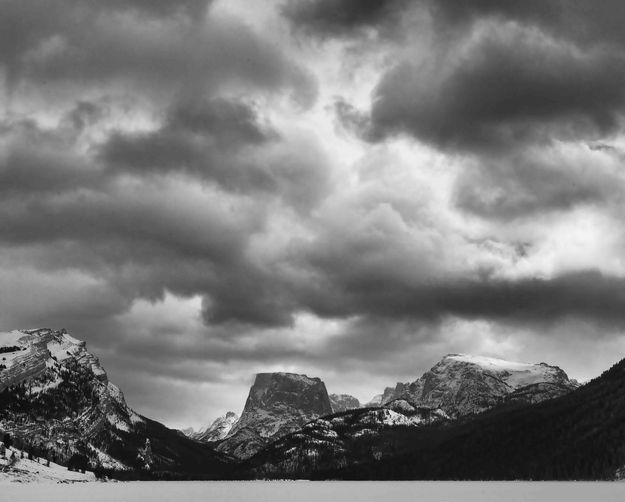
(307, 491)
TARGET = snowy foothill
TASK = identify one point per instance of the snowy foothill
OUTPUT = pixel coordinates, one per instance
(24, 470)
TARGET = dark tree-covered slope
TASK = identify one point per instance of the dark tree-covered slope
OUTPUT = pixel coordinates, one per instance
(577, 436)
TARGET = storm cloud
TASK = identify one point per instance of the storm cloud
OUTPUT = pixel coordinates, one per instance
(205, 190)
(340, 18)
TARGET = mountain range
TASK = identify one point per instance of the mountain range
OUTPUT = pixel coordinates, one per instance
(468, 417)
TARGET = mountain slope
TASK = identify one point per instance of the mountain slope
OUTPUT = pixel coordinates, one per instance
(278, 403)
(16, 467)
(462, 384)
(218, 430)
(337, 440)
(56, 400)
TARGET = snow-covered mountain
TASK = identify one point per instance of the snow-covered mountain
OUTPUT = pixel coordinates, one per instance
(56, 400)
(218, 430)
(60, 394)
(343, 402)
(278, 403)
(462, 384)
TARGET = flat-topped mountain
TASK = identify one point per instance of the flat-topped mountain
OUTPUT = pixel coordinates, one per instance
(278, 403)
(462, 384)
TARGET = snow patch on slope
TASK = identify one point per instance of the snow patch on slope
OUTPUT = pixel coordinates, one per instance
(515, 374)
(28, 471)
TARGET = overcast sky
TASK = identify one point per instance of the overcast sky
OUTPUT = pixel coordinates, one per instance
(349, 189)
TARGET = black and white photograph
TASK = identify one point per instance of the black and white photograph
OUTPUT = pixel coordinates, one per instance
(284, 250)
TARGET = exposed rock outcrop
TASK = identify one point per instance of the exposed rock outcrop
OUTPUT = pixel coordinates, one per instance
(219, 429)
(278, 403)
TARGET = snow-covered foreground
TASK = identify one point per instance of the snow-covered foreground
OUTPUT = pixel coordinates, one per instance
(29, 471)
(305, 491)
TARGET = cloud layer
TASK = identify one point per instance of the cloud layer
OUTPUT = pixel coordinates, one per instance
(204, 190)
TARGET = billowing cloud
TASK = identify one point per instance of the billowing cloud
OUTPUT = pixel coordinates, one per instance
(505, 86)
(535, 180)
(202, 194)
(76, 45)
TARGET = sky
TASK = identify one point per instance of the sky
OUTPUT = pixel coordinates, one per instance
(349, 189)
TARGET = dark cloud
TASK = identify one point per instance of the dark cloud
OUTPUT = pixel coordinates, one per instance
(554, 71)
(196, 138)
(585, 294)
(162, 7)
(76, 44)
(339, 17)
(85, 114)
(123, 210)
(36, 160)
(171, 191)
(574, 20)
(224, 142)
(147, 234)
(355, 281)
(37, 25)
(506, 88)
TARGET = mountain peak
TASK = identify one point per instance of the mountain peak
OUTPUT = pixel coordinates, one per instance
(278, 403)
(28, 354)
(489, 362)
(219, 429)
(462, 384)
(43, 366)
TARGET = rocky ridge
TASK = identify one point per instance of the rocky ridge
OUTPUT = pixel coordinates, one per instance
(218, 430)
(336, 440)
(462, 384)
(57, 394)
(56, 401)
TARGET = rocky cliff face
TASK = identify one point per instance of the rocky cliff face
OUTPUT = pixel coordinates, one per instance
(56, 394)
(278, 403)
(343, 402)
(56, 400)
(462, 384)
(219, 429)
